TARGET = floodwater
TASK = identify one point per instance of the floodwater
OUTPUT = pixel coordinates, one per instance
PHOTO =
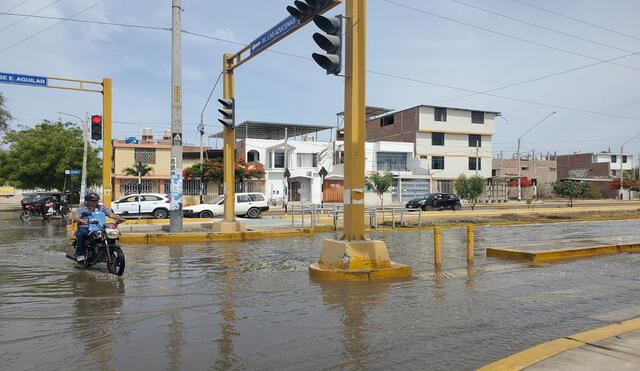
(252, 305)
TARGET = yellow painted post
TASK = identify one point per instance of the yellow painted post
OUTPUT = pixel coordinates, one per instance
(437, 247)
(470, 243)
(354, 128)
(229, 145)
(107, 191)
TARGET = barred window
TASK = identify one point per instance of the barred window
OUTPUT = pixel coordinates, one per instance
(145, 155)
(391, 161)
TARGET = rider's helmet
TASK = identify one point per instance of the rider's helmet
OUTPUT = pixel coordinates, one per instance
(91, 196)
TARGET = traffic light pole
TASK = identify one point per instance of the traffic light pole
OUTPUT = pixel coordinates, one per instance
(229, 222)
(354, 257)
(107, 194)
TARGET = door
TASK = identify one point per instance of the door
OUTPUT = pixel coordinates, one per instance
(243, 203)
(150, 203)
(294, 188)
(127, 205)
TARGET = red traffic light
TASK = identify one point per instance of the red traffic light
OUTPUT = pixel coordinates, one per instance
(96, 119)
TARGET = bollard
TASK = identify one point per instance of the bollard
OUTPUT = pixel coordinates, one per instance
(302, 215)
(393, 219)
(437, 247)
(470, 244)
(313, 216)
(293, 217)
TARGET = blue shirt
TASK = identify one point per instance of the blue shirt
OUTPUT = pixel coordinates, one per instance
(83, 212)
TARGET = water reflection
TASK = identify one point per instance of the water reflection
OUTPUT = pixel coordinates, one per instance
(226, 295)
(96, 314)
(354, 300)
(176, 327)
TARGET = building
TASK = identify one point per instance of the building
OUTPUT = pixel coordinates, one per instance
(447, 141)
(599, 169)
(540, 169)
(155, 153)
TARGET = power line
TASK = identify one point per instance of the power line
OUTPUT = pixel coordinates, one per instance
(87, 21)
(505, 34)
(540, 27)
(538, 78)
(15, 6)
(25, 17)
(576, 19)
(52, 26)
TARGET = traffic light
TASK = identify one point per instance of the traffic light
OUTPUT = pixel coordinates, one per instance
(96, 127)
(228, 112)
(330, 41)
(305, 9)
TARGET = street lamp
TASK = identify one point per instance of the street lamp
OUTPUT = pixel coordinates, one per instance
(520, 167)
(621, 171)
(83, 181)
(323, 173)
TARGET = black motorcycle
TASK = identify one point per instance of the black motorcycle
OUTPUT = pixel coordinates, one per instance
(101, 246)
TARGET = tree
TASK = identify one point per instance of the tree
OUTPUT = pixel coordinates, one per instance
(214, 171)
(378, 183)
(38, 157)
(469, 189)
(5, 115)
(137, 168)
(571, 189)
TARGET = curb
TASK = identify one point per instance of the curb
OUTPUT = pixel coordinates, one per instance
(551, 348)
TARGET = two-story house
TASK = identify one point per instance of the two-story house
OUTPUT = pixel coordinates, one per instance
(448, 141)
(599, 169)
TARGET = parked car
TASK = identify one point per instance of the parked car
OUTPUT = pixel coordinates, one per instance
(247, 204)
(435, 201)
(155, 204)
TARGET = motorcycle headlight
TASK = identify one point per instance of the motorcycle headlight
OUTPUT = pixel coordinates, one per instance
(112, 233)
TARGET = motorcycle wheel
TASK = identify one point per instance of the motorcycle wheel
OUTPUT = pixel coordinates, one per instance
(116, 262)
(25, 215)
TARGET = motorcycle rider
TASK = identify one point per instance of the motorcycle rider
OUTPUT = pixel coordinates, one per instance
(91, 204)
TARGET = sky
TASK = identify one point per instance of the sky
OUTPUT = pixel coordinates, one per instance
(440, 52)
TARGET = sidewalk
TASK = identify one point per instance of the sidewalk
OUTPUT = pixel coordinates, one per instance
(613, 347)
(10, 203)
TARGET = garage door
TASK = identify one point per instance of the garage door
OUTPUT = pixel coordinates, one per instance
(411, 188)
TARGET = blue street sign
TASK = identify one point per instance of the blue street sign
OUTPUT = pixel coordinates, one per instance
(274, 34)
(12, 78)
(72, 172)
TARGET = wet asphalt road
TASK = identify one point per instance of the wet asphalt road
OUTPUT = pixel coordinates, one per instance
(252, 305)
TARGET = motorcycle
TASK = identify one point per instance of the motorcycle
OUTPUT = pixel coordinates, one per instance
(101, 246)
(45, 210)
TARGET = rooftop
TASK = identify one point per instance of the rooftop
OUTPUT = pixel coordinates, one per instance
(273, 130)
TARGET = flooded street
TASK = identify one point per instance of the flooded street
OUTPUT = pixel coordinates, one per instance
(252, 305)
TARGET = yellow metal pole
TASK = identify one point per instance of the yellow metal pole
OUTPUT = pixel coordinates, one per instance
(229, 145)
(437, 247)
(354, 120)
(470, 244)
(107, 194)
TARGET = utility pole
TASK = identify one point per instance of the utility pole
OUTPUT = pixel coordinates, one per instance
(519, 172)
(175, 214)
(85, 140)
(285, 181)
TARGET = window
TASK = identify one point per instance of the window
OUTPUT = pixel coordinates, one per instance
(474, 140)
(437, 162)
(477, 117)
(243, 198)
(624, 159)
(424, 157)
(256, 197)
(437, 139)
(145, 155)
(387, 120)
(614, 158)
(525, 168)
(253, 156)
(475, 161)
(440, 114)
(130, 199)
(277, 160)
(151, 198)
(614, 173)
(307, 159)
(338, 157)
(392, 161)
(494, 172)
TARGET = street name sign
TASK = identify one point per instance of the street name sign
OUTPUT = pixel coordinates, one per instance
(274, 34)
(13, 78)
(72, 172)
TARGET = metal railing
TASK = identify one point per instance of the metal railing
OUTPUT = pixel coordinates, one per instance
(309, 215)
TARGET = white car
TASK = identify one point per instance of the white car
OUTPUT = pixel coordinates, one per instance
(155, 204)
(249, 204)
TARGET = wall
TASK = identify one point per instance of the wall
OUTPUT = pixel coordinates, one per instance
(403, 129)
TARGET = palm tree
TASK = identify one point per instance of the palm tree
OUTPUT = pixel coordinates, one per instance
(137, 168)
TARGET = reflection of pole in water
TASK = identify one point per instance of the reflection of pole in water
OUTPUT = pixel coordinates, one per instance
(176, 327)
(95, 314)
(228, 359)
(354, 298)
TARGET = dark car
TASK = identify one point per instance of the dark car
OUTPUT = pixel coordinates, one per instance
(435, 201)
